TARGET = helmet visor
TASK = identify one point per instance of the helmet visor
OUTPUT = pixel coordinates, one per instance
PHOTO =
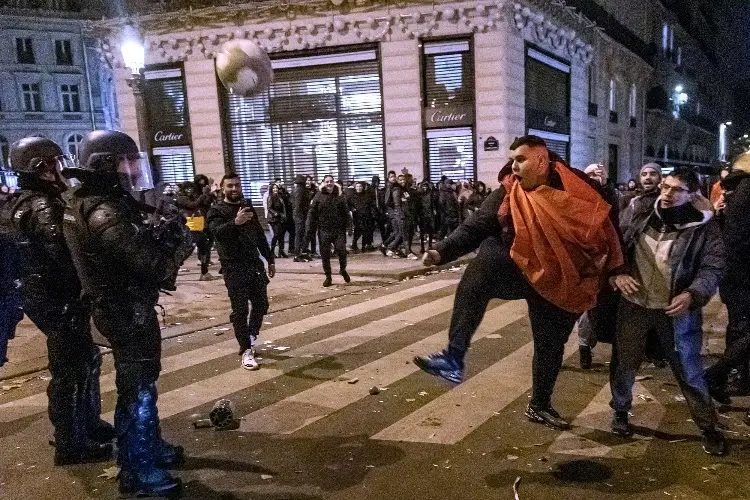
(134, 172)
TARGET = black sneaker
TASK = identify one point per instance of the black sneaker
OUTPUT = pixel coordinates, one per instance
(383, 249)
(548, 416)
(713, 443)
(345, 275)
(620, 425)
(584, 353)
(328, 281)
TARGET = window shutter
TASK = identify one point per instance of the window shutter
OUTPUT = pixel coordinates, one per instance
(175, 165)
(166, 103)
(314, 120)
(448, 73)
(451, 153)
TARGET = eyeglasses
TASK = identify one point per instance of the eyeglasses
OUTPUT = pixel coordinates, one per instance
(666, 188)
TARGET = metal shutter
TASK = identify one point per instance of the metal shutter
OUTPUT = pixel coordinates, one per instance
(314, 120)
(175, 165)
(448, 73)
(451, 153)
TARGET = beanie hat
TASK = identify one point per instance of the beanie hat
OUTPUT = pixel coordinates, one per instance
(652, 166)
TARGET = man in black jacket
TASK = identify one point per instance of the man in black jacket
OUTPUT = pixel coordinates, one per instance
(194, 204)
(300, 205)
(240, 241)
(329, 213)
(121, 262)
(735, 286)
(51, 295)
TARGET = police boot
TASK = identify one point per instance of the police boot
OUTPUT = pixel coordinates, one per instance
(137, 436)
(72, 443)
(98, 429)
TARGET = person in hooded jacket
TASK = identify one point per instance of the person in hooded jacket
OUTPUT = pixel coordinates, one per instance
(360, 205)
(425, 215)
(329, 214)
(449, 208)
(301, 198)
(276, 210)
(194, 204)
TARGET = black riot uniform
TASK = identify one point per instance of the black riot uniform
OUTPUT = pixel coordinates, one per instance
(51, 295)
(121, 260)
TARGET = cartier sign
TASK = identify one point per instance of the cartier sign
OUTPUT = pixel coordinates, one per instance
(449, 116)
(171, 136)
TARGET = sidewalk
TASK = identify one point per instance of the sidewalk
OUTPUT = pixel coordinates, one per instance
(199, 305)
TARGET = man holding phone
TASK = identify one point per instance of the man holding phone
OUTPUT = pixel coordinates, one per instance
(240, 242)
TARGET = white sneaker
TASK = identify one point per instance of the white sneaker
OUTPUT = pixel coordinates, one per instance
(413, 256)
(248, 360)
(389, 253)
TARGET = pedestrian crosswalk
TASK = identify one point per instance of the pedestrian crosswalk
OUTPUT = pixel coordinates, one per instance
(383, 333)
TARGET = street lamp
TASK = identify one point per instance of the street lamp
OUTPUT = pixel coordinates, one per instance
(134, 55)
(723, 140)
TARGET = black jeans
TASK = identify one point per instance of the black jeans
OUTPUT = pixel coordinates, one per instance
(203, 245)
(279, 231)
(492, 274)
(299, 237)
(246, 285)
(338, 239)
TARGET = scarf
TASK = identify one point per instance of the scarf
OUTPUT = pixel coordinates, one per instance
(565, 243)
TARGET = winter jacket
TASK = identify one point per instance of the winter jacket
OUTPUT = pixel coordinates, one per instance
(697, 256)
(301, 198)
(361, 206)
(737, 236)
(448, 202)
(238, 245)
(328, 212)
(276, 209)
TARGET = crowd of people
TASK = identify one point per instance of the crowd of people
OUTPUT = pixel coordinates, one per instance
(630, 268)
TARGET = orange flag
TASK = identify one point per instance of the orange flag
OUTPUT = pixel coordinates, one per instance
(564, 242)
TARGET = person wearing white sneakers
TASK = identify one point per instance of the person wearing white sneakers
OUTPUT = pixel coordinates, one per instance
(240, 242)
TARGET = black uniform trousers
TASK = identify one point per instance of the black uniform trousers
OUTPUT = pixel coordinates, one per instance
(246, 285)
(338, 239)
(74, 365)
(493, 274)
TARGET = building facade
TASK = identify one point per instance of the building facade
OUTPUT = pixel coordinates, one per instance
(363, 87)
(53, 82)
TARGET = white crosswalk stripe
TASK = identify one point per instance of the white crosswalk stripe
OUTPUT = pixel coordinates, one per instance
(37, 403)
(212, 388)
(451, 417)
(302, 409)
(596, 418)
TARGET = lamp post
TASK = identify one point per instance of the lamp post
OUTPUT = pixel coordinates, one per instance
(134, 56)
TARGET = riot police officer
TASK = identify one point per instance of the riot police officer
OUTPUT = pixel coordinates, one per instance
(122, 260)
(51, 295)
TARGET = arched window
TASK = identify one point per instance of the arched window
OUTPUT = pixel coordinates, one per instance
(4, 152)
(72, 144)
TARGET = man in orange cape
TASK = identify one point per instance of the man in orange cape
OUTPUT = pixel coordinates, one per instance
(546, 236)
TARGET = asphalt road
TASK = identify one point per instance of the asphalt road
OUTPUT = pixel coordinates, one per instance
(311, 429)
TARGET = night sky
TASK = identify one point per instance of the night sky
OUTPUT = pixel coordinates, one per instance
(734, 52)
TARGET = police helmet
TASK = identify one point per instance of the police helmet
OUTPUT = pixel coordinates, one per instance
(31, 154)
(112, 152)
